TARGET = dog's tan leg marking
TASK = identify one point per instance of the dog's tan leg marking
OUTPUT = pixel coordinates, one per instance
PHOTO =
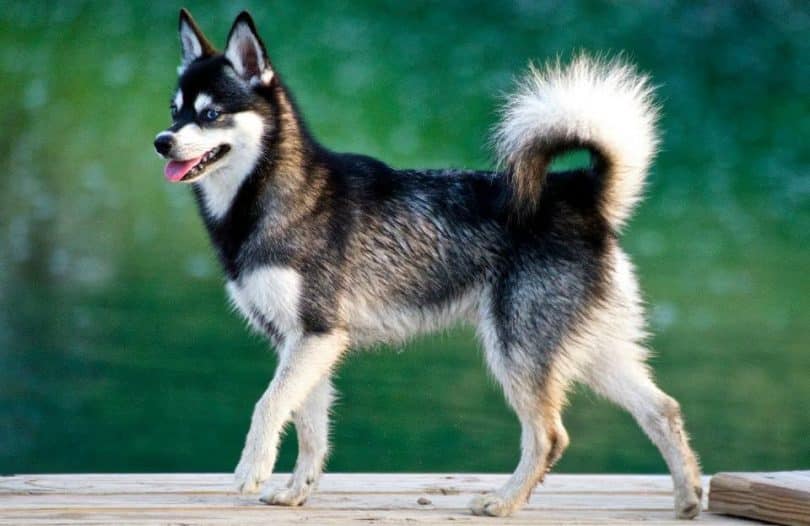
(543, 439)
(542, 442)
(630, 385)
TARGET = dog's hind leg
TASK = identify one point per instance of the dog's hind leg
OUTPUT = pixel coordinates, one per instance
(537, 397)
(542, 442)
(623, 378)
(312, 428)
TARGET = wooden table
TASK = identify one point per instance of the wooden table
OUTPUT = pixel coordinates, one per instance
(342, 499)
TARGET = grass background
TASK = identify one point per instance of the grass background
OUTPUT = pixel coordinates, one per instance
(117, 350)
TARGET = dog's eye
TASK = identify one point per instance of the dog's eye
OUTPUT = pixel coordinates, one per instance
(173, 110)
(209, 115)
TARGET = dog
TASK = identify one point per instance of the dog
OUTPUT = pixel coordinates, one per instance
(327, 251)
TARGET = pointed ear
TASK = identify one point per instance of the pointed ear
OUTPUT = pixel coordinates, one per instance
(193, 43)
(246, 52)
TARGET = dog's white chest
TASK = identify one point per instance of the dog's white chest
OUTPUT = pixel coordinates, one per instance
(268, 297)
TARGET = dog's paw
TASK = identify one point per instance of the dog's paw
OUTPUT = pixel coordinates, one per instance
(247, 481)
(250, 475)
(293, 496)
(492, 505)
(687, 509)
(688, 506)
(255, 465)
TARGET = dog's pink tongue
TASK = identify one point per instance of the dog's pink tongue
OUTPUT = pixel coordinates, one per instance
(175, 170)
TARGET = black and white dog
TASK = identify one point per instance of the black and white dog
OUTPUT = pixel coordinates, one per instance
(327, 251)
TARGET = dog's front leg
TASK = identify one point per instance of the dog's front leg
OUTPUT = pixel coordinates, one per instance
(303, 363)
(312, 427)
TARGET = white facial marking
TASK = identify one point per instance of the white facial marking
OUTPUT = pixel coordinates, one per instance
(203, 101)
(178, 99)
(220, 184)
(191, 142)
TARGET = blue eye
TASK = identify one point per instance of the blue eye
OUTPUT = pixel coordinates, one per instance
(173, 109)
(209, 115)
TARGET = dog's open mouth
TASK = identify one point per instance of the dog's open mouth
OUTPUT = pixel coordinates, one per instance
(190, 169)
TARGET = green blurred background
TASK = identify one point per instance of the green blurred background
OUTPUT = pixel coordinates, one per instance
(118, 352)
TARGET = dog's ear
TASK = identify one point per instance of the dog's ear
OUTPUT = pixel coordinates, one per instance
(193, 43)
(246, 52)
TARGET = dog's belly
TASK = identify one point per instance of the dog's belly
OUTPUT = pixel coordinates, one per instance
(373, 320)
(268, 298)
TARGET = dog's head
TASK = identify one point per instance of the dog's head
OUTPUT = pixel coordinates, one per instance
(220, 108)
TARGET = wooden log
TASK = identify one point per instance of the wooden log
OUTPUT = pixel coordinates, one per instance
(779, 497)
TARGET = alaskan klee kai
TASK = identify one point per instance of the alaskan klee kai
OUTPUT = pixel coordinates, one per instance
(327, 251)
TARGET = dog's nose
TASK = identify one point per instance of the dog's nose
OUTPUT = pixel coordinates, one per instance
(163, 143)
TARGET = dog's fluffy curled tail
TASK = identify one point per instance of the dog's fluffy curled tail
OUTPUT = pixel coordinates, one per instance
(601, 106)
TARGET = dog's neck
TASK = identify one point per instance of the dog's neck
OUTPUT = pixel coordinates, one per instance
(291, 177)
(281, 183)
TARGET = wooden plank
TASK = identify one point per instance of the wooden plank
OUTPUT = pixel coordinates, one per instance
(778, 497)
(332, 501)
(342, 499)
(297, 516)
(432, 483)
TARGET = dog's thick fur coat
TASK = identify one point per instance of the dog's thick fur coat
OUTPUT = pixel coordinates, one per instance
(325, 251)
